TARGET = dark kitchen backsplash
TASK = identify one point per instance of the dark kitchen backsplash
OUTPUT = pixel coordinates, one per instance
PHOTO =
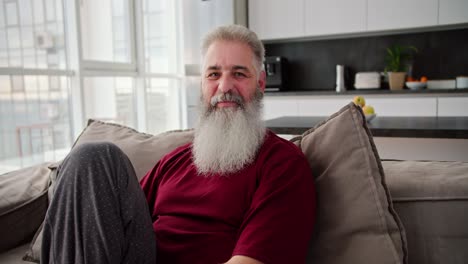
(312, 64)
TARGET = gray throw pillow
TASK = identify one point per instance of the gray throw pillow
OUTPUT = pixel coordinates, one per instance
(23, 203)
(356, 222)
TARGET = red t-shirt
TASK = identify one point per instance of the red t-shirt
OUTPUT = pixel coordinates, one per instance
(265, 211)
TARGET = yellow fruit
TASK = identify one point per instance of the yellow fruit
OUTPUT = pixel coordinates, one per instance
(359, 101)
(368, 110)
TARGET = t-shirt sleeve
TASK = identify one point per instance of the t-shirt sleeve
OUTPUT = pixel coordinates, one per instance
(279, 223)
(149, 184)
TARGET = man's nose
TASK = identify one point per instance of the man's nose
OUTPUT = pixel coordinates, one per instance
(226, 84)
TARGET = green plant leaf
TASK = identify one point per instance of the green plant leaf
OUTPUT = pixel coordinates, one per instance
(397, 56)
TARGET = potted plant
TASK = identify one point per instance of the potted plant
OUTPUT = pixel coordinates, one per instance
(397, 59)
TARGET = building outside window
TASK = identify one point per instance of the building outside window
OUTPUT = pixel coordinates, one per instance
(63, 62)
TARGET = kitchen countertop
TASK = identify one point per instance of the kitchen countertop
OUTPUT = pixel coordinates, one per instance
(404, 92)
(411, 127)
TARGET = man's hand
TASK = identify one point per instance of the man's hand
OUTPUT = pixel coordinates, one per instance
(238, 259)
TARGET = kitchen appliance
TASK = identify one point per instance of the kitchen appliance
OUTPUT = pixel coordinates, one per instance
(340, 76)
(275, 69)
(367, 80)
(462, 82)
(441, 84)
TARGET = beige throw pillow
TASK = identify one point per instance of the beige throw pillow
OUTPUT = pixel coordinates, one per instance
(143, 150)
(356, 222)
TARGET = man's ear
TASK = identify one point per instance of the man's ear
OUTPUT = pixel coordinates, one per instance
(262, 81)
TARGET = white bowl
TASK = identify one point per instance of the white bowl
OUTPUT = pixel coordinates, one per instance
(416, 85)
(370, 117)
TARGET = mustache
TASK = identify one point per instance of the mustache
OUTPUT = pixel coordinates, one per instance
(227, 97)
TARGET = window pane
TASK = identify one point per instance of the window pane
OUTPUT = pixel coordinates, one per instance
(13, 38)
(105, 30)
(160, 36)
(11, 13)
(38, 9)
(162, 105)
(27, 37)
(2, 15)
(34, 123)
(32, 43)
(110, 99)
(5, 86)
(25, 8)
(50, 10)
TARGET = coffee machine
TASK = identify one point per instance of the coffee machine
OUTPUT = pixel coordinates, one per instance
(275, 69)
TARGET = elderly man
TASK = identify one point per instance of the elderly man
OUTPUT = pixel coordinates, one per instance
(238, 194)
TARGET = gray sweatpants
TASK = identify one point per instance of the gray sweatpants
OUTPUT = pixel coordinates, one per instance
(98, 213)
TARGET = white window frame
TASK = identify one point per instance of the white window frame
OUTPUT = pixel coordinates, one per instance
(104, 66)
(136, 68)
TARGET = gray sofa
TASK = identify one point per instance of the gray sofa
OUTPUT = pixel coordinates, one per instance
(416, 211)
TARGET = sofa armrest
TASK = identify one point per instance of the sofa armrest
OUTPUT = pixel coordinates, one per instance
(431, 199)
(23, 204)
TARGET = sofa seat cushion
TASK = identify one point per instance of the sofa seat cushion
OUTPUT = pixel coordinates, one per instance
(15, 255)
(431, 199)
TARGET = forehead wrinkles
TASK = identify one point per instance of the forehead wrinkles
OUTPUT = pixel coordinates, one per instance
(221, 52)
(231, 68)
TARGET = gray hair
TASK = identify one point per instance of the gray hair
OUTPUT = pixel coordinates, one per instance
(240, 34)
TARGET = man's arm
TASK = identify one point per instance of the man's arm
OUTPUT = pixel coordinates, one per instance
(238, 259)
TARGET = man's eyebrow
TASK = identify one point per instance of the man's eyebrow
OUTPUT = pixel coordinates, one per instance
(240, 67)
(233, 68)
(214, 67)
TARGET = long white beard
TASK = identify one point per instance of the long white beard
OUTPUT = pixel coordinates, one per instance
(227, 140)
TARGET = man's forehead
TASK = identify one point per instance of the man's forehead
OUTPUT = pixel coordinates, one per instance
(228, 67)
(224, 54)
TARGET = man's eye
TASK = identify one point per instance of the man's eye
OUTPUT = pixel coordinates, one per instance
(213, 75)
(239, 74)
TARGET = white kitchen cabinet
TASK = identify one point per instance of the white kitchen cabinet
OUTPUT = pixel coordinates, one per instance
(382, 106)
(453, 11)
(277, 106)
(277, 19)
(398, 14)
(323, 17)
(452, 106)
(413, 106)
(321, 106)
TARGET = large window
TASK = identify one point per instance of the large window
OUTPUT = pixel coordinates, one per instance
(134, 73)
(35, 124)
(113, 60)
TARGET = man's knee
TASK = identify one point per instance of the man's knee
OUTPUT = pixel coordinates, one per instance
(93, 155)
(91, 148)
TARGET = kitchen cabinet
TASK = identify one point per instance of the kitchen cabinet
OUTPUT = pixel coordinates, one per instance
(397, 14)
(382, 106)
(275, 19)
(276, 106)
(404, 106)
(320, 106)
(452, 106)
(324, 17)
(453, 11)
